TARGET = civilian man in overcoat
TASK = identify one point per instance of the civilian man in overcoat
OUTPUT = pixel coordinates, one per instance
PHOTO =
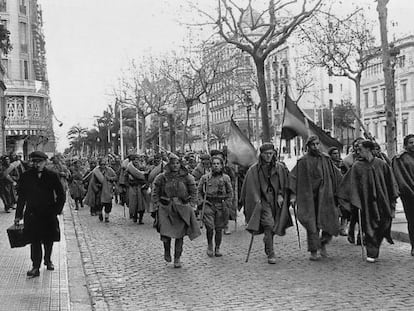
(41, 198)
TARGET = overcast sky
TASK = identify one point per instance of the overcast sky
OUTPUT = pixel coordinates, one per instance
(89, 42)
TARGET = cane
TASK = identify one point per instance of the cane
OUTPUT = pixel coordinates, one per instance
(296, 223)
(361, 233)
(250, 248)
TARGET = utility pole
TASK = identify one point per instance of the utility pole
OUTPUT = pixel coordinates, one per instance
(391, 137)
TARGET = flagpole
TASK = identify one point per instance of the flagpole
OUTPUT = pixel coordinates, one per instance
(281, 129)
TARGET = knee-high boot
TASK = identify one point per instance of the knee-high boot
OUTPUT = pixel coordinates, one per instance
(167, 250)
(217, 240)
(210, 233)
(178, 250)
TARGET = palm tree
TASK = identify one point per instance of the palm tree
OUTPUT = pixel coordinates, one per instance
(75, 135)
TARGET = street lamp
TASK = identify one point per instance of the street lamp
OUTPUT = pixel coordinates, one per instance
(248, 104)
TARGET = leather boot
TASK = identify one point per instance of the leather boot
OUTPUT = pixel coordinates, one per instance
(209, 234)
(217, 240)
(33, 272)
(167, 251)
(140, 216)
(178, 249)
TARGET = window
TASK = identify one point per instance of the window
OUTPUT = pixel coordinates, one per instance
(404, 127)
(22, 7)
(3, 6)
(376, 129)
(24, 70)
(374, 97)
(330, 88)
(404, 92)
(330, 104)
(384, 96)
(23, 37)
(366, 99)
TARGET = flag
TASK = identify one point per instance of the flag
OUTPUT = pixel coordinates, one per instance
(296, 123)
(239, 148)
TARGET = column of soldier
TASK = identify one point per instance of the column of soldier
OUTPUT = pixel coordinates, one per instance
(329, 196)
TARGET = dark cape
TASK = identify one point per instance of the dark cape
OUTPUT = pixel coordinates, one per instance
(300, 183)
(403, 167)
(251, 198)
(371, 187)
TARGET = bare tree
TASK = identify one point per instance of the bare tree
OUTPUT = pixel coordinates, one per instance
(259, 33)
(343, 46)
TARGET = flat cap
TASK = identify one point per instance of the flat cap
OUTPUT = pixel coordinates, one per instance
(38, 155)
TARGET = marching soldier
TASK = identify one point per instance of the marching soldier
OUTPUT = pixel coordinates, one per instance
(264, 197)
(314, 182)
(215, 193)
(403, 166)
(174, 196)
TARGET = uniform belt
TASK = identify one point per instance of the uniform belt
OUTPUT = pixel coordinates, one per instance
(215, 200)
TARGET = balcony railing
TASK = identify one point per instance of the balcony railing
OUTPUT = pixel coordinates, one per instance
(28, 123)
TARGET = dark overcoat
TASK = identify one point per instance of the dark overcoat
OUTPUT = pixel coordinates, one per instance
(40, 200)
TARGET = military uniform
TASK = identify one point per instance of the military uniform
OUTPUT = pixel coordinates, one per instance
(217, 190)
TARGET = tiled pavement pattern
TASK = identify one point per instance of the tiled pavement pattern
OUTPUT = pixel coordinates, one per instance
(125, 270)
(20, 293)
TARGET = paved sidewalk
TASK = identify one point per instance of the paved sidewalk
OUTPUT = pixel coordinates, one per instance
(19, 292)
(399, 228)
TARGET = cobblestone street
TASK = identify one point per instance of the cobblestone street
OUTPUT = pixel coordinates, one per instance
(125, 270)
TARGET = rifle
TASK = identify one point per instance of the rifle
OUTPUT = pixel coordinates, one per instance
(204, 204)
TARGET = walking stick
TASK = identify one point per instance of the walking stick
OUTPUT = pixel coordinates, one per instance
(250, 248)
(296, 223)
(236, 195)
(361, 233)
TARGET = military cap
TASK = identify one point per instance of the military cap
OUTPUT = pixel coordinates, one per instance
(267, 146)
(38, 155)
(204, 157)
(216, 152)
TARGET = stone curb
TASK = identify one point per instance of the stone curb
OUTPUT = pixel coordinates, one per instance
(80, 299)
(400, 236)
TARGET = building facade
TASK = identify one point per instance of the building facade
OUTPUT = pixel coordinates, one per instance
(28, 110)
(373, 96)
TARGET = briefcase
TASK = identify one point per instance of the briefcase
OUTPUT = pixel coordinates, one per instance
(16, 236)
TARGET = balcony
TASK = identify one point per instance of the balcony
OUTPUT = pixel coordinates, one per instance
(40, 123)
(40, 87)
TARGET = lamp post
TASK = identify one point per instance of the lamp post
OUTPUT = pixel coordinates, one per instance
(121, 132)
(248, 104)
(170, 113)
(137, 127)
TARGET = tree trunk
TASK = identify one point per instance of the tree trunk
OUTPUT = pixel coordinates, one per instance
(263, 98)
(358, 105)
(389, 81)
(144, 136)
(208, 124)
(187, 112)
